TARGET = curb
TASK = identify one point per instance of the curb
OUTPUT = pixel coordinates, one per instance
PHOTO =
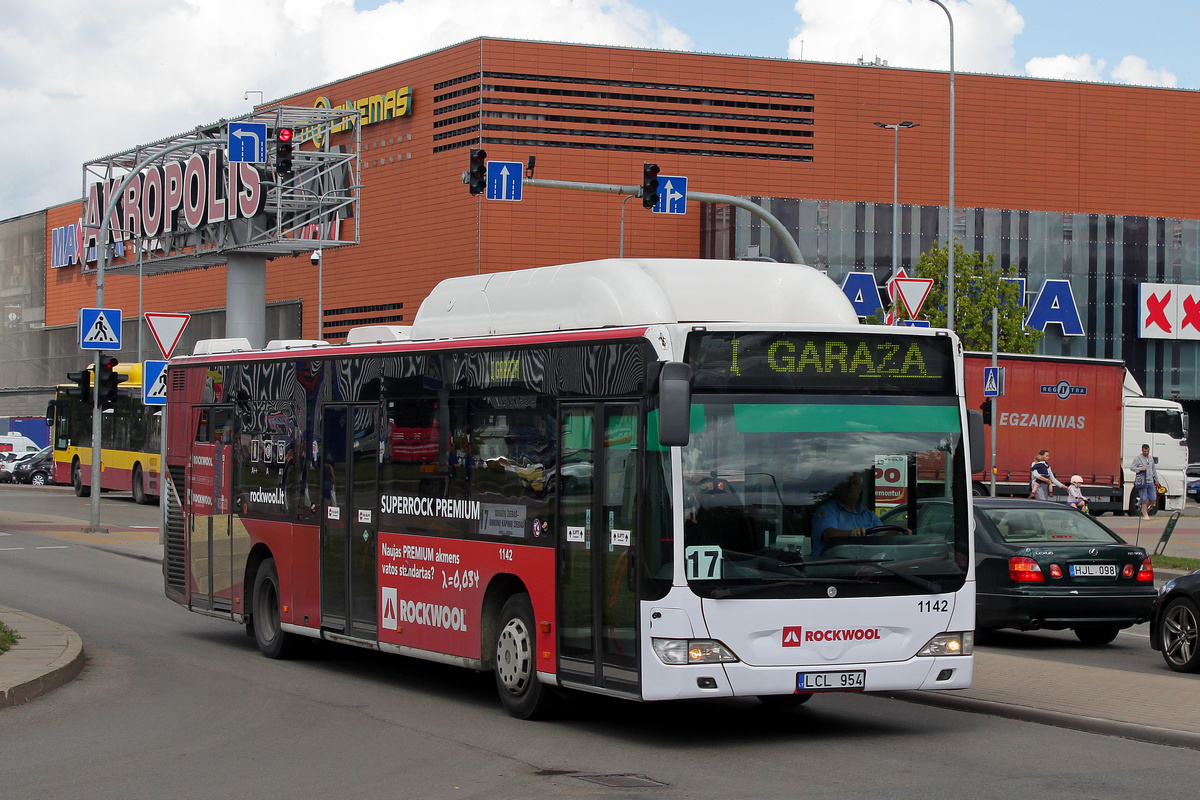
(64, 661)
(1106, 727)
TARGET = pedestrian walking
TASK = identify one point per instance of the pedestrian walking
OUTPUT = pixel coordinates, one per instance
(1075, 498)
(1145, 480)
(1041, 477)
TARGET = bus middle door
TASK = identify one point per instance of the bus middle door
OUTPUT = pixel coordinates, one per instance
(349, 491)
(598, 480)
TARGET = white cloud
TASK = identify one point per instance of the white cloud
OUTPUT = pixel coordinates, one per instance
(83, 79)
(909, 33)
(1068, 68)
(1134, 69)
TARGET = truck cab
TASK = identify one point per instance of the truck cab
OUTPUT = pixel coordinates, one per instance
(1163, 425)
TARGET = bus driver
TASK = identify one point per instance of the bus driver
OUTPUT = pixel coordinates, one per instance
(842, 515)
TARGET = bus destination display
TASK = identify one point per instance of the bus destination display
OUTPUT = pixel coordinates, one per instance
(821, 362)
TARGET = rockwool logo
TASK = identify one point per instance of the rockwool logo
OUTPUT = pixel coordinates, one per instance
(269, 498)
(389, 608)
(792, 635)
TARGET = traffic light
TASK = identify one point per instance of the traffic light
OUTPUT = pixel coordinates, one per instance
(283, 152)
(477, 174)
(986, 408)
(649, 185)
(82, 390)
(106, 383)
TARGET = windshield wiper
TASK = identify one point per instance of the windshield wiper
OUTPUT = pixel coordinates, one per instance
(928, 585)
(736, 591)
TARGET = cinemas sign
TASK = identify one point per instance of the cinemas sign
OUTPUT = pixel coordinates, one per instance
(176, 197)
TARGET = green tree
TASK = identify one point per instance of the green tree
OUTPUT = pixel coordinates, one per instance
(979, 286)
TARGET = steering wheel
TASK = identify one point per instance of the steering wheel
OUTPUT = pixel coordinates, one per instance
(899, 529)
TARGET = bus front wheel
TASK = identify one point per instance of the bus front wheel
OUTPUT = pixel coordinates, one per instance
(77, 480)
(523, 695)
(272, 640)
(139, 488)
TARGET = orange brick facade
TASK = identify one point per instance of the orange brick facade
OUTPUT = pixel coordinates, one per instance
(733, 125)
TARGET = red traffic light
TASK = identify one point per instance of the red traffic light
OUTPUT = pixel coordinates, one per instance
(284, 135)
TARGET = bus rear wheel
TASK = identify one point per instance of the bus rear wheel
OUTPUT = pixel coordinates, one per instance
(523, 695)
(272, 640)
(77, 480)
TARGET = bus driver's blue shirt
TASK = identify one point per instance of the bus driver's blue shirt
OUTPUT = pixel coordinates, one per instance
(832, 514)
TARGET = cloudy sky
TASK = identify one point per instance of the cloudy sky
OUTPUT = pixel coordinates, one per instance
(81, 79)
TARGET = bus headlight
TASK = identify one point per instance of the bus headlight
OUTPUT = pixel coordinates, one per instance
(961, 643)
(692, 651)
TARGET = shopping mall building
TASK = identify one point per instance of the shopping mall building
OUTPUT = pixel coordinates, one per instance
(1092, 190)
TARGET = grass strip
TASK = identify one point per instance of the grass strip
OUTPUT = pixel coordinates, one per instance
(8, 637)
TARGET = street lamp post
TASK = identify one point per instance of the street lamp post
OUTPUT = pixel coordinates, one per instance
(896, 190)
(950, 222)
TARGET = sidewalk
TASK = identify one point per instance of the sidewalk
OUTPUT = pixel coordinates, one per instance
(45, 657)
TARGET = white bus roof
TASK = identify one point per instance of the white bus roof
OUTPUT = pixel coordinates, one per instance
(628, 292)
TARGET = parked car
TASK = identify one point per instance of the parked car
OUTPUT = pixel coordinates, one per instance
(37, 469)
(1193, 470)
(1193, 489)
(9, 462)
(1041, 565)
(1175, 623)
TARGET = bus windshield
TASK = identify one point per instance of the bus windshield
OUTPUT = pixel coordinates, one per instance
(783, 496)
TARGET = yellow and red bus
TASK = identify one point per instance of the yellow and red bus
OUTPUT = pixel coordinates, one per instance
(130, 439)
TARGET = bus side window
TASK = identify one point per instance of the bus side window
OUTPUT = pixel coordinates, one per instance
(203, 431)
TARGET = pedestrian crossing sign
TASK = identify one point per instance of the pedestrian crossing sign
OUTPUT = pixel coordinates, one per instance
(154, 383)
(99, 329)
(993, 381)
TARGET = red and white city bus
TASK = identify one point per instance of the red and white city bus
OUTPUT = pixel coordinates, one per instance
(618, 477)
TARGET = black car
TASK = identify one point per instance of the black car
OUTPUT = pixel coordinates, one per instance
(36, 470)
(1041, 565)
(1175, 623)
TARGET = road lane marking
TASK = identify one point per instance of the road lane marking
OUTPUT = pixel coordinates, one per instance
(52, 547)
(144, 527)
(12, 548)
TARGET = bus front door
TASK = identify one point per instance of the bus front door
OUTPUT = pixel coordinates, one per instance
(349, 481)
(598, 479)
(209, 489)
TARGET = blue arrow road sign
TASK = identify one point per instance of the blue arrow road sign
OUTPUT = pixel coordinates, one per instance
(154, 383)
(504, 180)
(991, 381)
(915, 323)
(99, 329)
(672, 195)
(248, 142)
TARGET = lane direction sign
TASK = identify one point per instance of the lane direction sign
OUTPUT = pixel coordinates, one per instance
(248, 142)
(154, 383)
(99, 329)
(672, 195)
(505, 180)
(166, 330)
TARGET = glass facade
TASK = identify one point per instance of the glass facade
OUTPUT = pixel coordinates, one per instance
(1104, 257)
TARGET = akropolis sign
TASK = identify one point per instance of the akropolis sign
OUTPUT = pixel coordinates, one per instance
(173, 197)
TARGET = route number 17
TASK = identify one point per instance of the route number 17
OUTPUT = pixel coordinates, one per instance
(703, 562)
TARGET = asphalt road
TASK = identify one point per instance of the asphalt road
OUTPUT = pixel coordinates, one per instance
(173, 704)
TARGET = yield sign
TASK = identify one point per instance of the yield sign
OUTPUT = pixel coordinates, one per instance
(913, 292)
(166, 329)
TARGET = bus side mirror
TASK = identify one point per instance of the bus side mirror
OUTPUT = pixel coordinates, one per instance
(975, 432)
(50, 412)
(674, 404)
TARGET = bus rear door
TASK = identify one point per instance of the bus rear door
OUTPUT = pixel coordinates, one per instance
(349, 489)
